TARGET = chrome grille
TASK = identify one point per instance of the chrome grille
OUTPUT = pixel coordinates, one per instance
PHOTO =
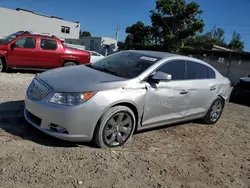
(38, 90)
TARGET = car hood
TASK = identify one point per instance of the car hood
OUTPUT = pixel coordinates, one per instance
(80, 79)
(3, 46)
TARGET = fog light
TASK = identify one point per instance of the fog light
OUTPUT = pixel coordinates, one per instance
(58, 128)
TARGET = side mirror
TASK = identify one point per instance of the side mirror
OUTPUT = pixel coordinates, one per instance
(161, 76)
(12, 46)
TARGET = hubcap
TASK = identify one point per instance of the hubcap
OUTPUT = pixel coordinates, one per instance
(69, 65)
(216, 111)
(118, 129)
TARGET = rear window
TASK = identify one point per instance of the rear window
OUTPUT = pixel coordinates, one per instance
(48, 44)
(199, 71)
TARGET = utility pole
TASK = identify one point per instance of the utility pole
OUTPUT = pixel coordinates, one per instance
(213, 31)
(117, 32)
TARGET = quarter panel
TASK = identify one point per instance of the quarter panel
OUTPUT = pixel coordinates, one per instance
(224, 89)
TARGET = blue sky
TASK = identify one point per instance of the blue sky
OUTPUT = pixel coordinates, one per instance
(101, 17)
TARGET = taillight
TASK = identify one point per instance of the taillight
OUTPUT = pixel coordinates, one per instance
(230, 85)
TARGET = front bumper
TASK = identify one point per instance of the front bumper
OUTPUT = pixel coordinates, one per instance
(79, 122)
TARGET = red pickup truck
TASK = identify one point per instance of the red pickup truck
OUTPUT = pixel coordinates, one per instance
(24, 50)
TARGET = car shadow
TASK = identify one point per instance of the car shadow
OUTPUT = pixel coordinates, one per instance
(13, 122)
(24, 71)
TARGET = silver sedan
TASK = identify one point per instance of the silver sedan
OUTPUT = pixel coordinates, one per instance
(107, 101)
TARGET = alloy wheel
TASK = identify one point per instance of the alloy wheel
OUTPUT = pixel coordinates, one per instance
(216, 111)
(118, 129)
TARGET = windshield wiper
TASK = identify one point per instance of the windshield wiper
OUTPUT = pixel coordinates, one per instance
(103, 69)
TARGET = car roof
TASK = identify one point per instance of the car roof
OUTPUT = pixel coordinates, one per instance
(39, 35)
(163, 55)
(156, 54)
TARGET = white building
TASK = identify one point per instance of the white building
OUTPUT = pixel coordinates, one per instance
(102, 45)
(26, 20)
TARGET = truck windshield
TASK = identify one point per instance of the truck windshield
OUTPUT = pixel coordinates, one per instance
(124, 64)
(9, 38)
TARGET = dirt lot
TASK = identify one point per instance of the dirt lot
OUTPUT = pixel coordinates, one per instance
(186, 155)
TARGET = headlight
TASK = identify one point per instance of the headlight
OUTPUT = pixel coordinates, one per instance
(71, 99)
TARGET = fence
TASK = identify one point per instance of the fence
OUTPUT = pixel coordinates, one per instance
(230, 64)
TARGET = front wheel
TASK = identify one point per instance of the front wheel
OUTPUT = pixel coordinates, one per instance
(214, 112)
(115, 127)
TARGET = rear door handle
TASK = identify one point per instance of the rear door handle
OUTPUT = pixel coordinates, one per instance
(183, 92)
(212, 88)
(32, 52)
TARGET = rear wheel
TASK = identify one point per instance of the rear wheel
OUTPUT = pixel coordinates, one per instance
(2, 65)
(69, 64)
(214, 112)
(115, 127)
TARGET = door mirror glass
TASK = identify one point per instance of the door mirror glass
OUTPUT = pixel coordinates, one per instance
(12, 46)
(161, 76)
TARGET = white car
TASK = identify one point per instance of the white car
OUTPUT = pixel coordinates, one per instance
(95, 56)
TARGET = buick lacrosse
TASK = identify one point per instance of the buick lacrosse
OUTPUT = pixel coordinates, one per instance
(107, 101)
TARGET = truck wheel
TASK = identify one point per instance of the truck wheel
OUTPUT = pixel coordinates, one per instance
(69, 64)
(2, 65)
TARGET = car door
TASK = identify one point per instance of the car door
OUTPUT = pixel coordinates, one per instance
(202, 88)
(167, 101)
(23, 52)
(49, 53)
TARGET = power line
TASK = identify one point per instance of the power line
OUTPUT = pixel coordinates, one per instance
(242, 25)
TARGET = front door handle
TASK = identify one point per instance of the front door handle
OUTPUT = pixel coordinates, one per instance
(212, 88)
(183, 92)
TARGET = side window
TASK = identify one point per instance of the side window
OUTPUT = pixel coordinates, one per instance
(27, 42)
(175, 68)
(94, 54)
(211, 73)
(48, 44)
(199, 71)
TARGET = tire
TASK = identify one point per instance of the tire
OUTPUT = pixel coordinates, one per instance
(214, 112)
(2, 65)
(69, 64)
(115, 129)
(235, 92)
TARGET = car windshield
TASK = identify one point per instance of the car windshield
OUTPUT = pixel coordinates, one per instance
(9, 38)
(125, 64)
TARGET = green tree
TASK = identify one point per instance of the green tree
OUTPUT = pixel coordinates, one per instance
(85, 33)
(218, 35)
(207, 39)
(121, 45)
(236, 43)
(138, 34)
(175, 21)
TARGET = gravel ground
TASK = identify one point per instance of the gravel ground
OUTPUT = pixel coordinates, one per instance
(185, 155)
